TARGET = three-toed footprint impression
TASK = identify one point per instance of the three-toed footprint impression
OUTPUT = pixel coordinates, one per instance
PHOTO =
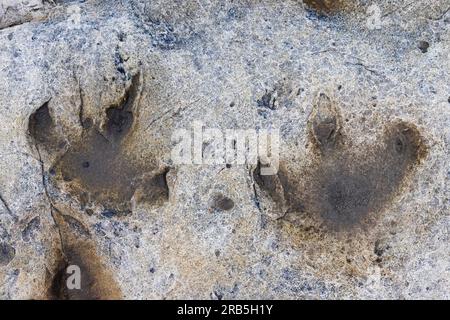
(99, 169)
(343, 187)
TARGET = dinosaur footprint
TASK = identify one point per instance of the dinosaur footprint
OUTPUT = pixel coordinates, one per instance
(344, 187)
(100, 168)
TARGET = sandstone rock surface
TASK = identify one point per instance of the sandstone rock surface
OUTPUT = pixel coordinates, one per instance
(91, 93)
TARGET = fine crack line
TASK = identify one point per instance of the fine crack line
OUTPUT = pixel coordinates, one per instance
(255, 193)
(15, 24)
(172, 113)
(8, 209)
(440, 16)
(360, 64)
(52, 206)
(81, 112)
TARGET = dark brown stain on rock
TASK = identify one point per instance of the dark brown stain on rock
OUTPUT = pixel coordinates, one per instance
(78, 251)
(120, 118)
(97, 282)
(325, 6)
(153, 189)
(221, 203)
(41, 124)
(99, 170)
(345, 188)
(325, 125)
(41, 128)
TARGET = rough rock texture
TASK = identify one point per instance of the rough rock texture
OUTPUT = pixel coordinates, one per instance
(92, 91)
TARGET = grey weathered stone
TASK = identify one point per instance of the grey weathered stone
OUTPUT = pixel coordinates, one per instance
(92, 91)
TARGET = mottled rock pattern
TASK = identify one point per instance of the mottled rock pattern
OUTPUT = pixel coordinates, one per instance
(92, 91)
